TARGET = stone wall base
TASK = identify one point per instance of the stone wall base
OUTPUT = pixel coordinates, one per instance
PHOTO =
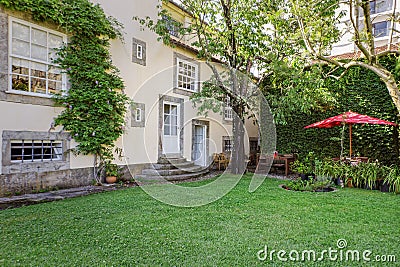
(34, 182)
(31, 182)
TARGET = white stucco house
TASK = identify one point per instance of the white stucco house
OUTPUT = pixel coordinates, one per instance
(159, 79)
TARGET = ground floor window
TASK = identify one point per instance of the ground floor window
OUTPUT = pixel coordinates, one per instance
(36, 150)
(227, 144)
(29, 151)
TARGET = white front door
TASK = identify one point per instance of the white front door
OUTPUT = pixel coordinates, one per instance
(199, 146)
(171, 129)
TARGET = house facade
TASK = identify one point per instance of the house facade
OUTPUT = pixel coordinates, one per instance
(161, 122)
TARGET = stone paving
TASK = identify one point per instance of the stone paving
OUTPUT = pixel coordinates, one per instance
(29, 199)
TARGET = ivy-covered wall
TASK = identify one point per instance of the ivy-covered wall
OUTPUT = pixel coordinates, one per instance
(360, 91)
(95, 104)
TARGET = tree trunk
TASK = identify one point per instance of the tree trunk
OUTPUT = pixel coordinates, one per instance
(386, 76)
(238, 157)
(393, 89)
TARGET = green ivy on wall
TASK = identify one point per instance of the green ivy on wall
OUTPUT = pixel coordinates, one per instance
(360, 91)
(95, 105)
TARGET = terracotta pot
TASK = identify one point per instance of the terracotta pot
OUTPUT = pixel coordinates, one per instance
(350, 182)
(111, 179)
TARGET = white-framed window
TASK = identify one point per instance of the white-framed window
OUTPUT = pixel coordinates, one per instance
(36, 150)
(380, 29)
(187, 75)
(228, 109)
(138, 114)
(139, 51)
(171, 25)
(32, 50)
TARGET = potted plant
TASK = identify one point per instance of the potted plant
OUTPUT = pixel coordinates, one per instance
(389, 179)
(393, 180)
(112, 172)
(311, 185)
(305, 166)
(336, 171)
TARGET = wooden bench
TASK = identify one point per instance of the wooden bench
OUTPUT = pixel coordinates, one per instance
(279, 162)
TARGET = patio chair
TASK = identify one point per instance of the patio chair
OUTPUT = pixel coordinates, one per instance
(220, 159)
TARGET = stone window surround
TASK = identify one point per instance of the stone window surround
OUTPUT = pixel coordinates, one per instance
(202, 123)
(177, 90)
(180, 102)
(134, 122)
(36, 166)
(5, 95)
(135, 59)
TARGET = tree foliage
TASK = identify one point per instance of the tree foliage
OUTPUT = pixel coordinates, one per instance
(238, 33)
(361, 91)
(315, 26)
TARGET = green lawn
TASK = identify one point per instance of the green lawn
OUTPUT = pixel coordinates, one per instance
(129, 228)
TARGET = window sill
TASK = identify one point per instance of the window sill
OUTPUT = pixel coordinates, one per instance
(184, 92)
(16, 92)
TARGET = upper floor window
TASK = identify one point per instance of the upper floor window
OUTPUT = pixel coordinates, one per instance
(377, 6)
(372, 7)
(32, 50)
(228, 109)
(139, 51)
(380, 29)
(138, 114)
(187, 75)
(171, 25)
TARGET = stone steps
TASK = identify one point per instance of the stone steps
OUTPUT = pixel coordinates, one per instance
(145, 179)
(168, 172)
(173, 161)
(168, 166)
(170, 169)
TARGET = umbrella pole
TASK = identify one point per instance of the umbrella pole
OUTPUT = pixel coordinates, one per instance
(341, 142)
(350, 142)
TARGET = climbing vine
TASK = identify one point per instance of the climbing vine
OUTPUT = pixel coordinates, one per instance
(95, 104)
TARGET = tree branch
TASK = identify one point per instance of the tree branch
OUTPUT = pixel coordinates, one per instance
(355, 27)
(368, 25)
(388, 52)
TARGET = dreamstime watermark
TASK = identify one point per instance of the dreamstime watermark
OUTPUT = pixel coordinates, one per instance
(339, 253)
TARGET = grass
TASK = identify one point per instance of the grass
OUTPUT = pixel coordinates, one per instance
(129, 228)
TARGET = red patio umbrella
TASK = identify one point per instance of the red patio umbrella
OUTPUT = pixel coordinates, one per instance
(349, 118)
